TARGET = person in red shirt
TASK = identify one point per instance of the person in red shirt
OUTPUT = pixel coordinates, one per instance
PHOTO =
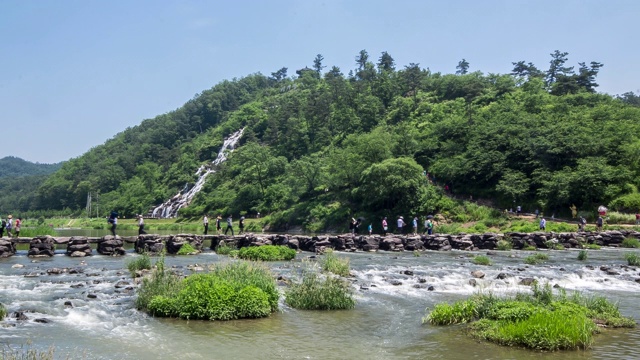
(18, 224)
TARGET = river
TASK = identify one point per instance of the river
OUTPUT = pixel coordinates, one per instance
(386, 323)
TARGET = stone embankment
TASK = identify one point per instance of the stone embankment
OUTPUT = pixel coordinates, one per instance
(110, 245)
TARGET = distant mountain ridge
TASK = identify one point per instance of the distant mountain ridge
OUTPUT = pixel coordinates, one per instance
(11, 166)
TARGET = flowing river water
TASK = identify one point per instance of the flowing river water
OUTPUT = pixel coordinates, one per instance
(386, 323)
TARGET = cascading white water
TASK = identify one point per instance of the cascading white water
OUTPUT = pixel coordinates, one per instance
(183, 198)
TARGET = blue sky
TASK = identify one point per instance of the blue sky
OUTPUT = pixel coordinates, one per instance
(75, 73)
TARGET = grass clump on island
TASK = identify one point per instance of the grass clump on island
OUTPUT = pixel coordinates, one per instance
(267, 253)
(481, 260)
(316, 292)
(540, 321)
(504, 245)
(187, 249)
(229, 291)
(582, 255)
(3, 311)
(632, 259)
(142, 262)
(536, 259)
(630, 242)
(335, 264)
(26, 352)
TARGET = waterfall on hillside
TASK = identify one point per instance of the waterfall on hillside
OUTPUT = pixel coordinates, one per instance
(170, 207)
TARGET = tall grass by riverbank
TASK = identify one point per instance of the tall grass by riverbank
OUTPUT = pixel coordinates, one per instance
(316, 292)
(542, 320)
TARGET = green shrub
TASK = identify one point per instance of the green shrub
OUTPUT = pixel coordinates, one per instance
(267, 253)
(230, 291)
(316, 293)
(3, 311)
(582, 255)
(540, 320)
(481, 260)
(142, 262)
(416, 253)
(536, 259)
(446, 314)
(632, 259)
(187, 249)
(630, 242)
(529, 248)
(224, 249)
(336, 265)
(504, 245)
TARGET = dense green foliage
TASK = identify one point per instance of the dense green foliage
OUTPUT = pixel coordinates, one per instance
(11, 167)
(321, 147)
(267, 253)
(315, 292)
(230, 291)
(542, 321)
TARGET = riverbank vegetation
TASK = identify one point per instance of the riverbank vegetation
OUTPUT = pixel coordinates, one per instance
(541, 139)
(541, 320)
(228, 291)
(3, 311)
(267, 253)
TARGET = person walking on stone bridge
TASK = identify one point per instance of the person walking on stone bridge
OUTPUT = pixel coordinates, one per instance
(229, 225)
(141, 225)
(205, 222)
(218, 224)
(9, 225)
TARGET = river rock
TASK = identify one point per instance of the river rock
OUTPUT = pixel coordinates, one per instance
(42, 320)
(502, 276)
(473, 282)
(477, 274)
(111, 246)
(20, 316)
(527, 281)
(17, 266)
(7, 248)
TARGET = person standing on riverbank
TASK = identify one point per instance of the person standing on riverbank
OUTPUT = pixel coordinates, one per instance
(205, 222)
(229, 225)
(218, 224)
(543, 224)
(385, 226)
(414, 223)
(141, 225)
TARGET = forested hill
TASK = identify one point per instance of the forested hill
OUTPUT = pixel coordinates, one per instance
(11, 166)
(324, 144)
